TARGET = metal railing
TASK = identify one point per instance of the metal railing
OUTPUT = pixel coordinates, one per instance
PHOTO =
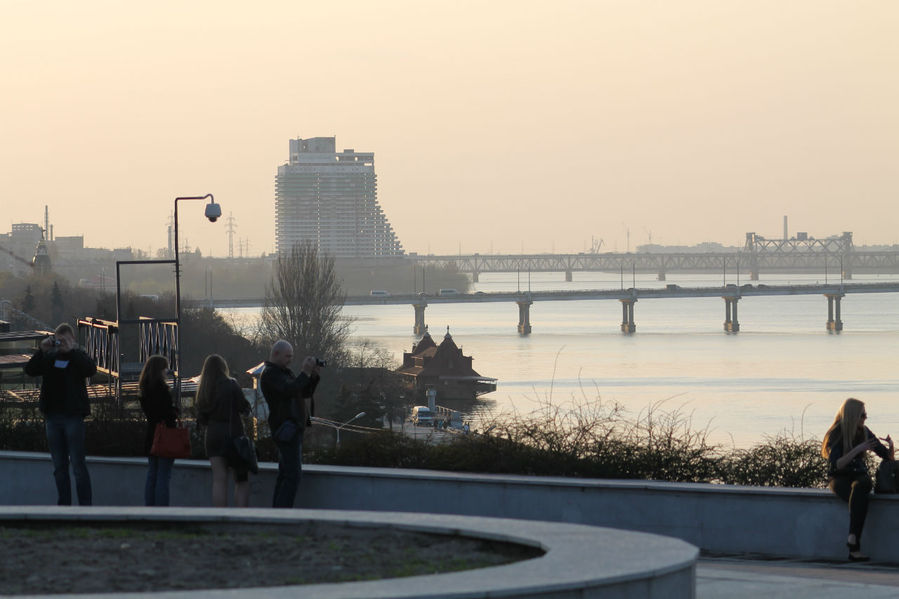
(159, 337)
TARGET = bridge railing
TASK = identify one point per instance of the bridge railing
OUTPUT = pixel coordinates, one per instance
(159, 337)
(100, 339)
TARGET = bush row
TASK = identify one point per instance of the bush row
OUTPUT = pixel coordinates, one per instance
(590, 440)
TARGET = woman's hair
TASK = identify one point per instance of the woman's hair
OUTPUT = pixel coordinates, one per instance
(844, 427)
(152, 374)
(214, 369)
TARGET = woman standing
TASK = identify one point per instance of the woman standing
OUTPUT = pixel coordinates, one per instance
(156, 402)
(220, 405)
(845, 445)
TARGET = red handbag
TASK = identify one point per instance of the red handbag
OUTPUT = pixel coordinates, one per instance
(171, 442)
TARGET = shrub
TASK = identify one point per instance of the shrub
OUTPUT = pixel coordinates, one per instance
(782, 460)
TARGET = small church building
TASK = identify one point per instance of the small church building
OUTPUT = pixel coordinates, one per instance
(443, 368)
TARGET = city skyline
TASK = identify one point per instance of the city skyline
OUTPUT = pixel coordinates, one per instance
(503, 128)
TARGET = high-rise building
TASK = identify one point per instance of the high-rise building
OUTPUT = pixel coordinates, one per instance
(331, 199)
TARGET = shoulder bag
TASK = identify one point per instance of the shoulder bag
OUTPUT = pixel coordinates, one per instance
(886, 479)
(171, 442)
(240, 449)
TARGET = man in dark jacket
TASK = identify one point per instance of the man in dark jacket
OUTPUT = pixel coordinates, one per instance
(64, 403)
(288, 413)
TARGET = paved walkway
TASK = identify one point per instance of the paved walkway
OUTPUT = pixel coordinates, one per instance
(736, 578)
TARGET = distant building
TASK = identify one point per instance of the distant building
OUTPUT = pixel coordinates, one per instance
(22, 240)
(444, 368)
(330, 198)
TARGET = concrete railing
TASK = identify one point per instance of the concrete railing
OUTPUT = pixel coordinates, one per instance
(805, 523)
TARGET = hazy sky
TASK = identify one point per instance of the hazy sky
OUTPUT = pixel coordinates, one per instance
(496, 125)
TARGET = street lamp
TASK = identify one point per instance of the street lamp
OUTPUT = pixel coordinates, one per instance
(340, 426)
(213, 212)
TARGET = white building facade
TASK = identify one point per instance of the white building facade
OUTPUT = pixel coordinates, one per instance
(330, 198)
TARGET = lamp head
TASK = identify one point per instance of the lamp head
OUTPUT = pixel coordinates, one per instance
(213, 211)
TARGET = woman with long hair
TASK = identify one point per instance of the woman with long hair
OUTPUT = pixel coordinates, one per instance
(845, 446)
(156, 402)
(220, 405)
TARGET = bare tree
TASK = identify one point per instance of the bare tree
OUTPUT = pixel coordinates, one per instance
(303, 304)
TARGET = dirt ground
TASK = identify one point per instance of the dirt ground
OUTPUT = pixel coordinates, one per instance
(56, 558)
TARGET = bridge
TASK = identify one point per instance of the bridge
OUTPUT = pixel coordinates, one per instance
(731, 294)
(799, 254)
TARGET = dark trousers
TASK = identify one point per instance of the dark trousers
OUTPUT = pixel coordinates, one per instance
(290, 469)
(855, 489)
(65, 438)
(159, 473)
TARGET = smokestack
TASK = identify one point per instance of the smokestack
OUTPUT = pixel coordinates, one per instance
(46, 222)
(786, 234)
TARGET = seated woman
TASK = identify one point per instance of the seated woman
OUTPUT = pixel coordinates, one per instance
(845, 446)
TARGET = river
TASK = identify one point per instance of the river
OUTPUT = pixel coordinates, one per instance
(782, 372)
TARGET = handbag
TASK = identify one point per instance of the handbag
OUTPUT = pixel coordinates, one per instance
(885, 479)
(171, 442)
(243, 452)
(240, 451)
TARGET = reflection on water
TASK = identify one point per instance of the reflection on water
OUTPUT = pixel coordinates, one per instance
(782, 371)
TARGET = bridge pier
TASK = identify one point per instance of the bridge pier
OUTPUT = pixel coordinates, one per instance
(834, 323)
(567, 276)
(628, 326)
(524, 316)
(731, 323)
(662, 276)
(475, 276)
(420, 328)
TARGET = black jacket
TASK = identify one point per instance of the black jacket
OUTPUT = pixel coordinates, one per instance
(63, 386)
(156, 402)
(228, 405)
(285, 395)
(858, 464)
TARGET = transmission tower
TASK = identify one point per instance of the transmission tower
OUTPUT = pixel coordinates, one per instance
(231, 228)
(171, 236)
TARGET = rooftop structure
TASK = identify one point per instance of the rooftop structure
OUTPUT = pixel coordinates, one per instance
(330, 199)
(444, 368)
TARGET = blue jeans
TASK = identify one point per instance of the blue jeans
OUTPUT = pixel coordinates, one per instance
(290, 469)
(65, 437)
(156, 490)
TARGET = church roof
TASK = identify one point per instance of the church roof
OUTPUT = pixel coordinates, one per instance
(445, 360)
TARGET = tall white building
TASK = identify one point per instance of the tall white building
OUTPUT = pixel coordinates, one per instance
(331, 199)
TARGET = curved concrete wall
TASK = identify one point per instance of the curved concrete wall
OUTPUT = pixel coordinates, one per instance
(806, 523)
(580, 561)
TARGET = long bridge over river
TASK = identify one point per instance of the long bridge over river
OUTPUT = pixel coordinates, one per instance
(730, 294)
(835, 254)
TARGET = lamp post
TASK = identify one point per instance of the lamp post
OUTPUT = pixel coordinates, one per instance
(213, 212)
(340, 426)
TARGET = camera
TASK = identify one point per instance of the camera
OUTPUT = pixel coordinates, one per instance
(213, 211)
(54, 341)
(320, 363)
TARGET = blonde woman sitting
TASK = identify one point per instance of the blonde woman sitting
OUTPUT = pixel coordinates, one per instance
(845, 446)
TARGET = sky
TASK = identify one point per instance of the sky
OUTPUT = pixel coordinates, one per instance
(500, 126)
